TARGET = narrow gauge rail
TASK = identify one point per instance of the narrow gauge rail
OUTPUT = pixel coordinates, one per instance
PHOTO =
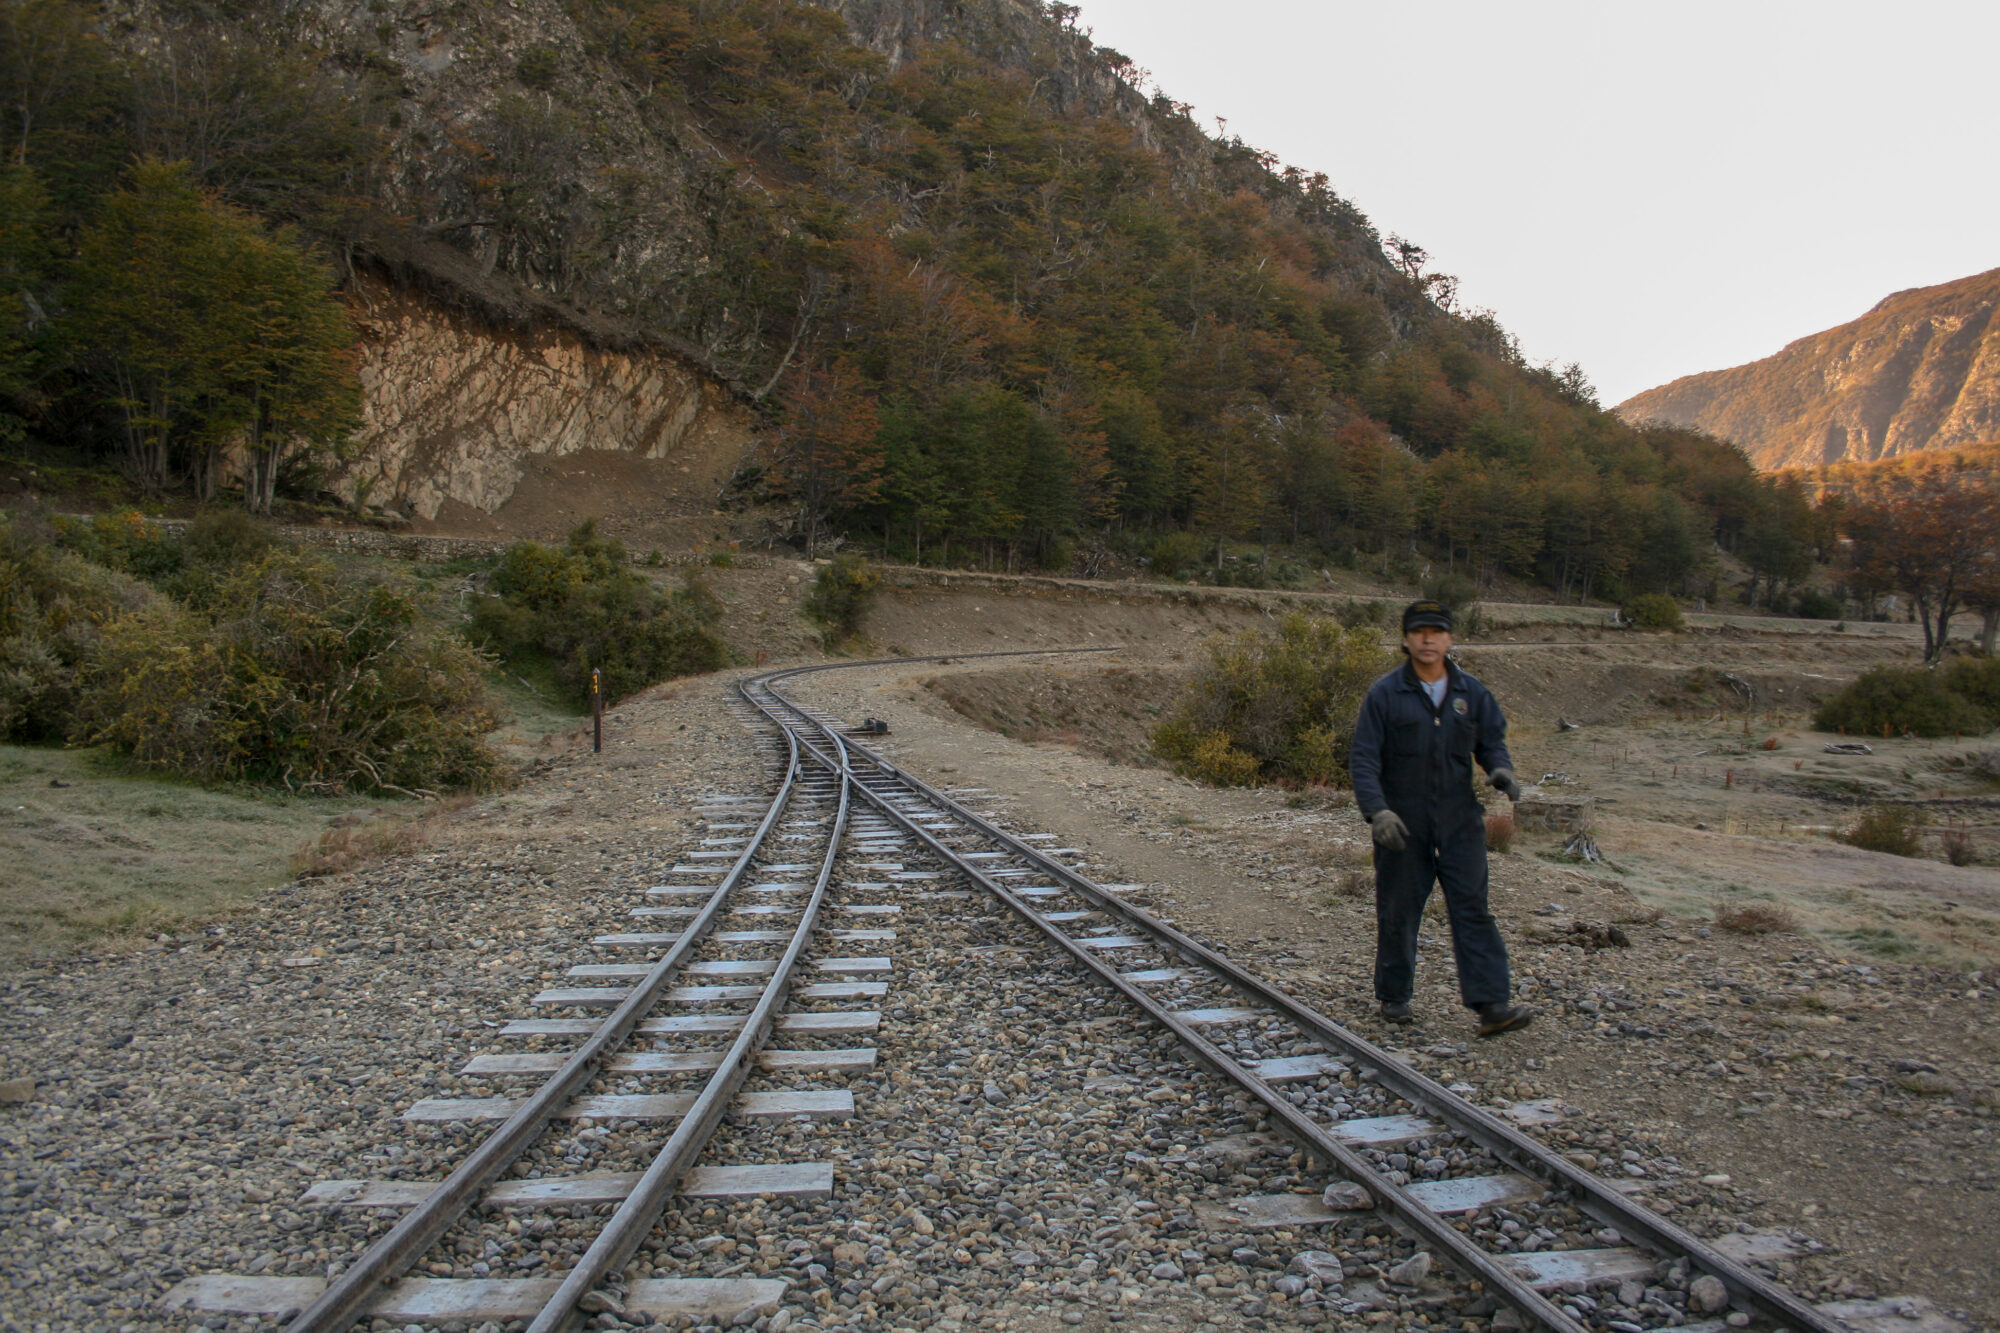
(1054, 897)
(813, 783)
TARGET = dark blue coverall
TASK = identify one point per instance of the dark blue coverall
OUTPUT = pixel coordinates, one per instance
(1417, 760)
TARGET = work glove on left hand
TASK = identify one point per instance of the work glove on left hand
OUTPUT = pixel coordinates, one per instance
(1503, 781)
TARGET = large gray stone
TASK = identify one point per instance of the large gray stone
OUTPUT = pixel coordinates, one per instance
(1320, 1265)
(1707, 1294)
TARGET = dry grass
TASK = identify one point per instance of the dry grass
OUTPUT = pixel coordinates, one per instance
(1958, 847)
(1828, 1000)
(1640, 915)
(98, 857)
(1358, 882)
(1926, 1084)
(1756, 919)
(352, 842)
(1499, 832)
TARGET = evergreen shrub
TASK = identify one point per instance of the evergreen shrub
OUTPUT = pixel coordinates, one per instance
(189, 564)
(1454, 591)
(1977, 680)
(538, 68)
(123, 541)
(1274, 707)
(1814, 604)
(54, 605)
(1235, 573)
(1369, 614)
(1959, 849)
(296, 674)
(840, 596)
(1886, 828)
(1175, 554)
(580, 606)
(1889, 701)
(222, 537)
(1655, 610)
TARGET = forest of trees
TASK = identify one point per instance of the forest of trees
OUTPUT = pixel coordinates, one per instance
(991, 321)
(153, 319)
(1015, 331)
(1927, 527)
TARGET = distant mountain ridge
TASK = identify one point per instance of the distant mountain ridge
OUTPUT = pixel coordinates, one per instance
(1919, 371)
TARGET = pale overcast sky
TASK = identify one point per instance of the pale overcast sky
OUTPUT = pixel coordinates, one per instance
(1648, 189)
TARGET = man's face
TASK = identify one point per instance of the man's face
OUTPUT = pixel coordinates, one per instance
(1427, 644)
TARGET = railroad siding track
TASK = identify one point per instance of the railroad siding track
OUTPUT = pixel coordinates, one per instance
(1489, 1199)
(684, 1066)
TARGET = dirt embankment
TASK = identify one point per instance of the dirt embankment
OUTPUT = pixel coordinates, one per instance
(1107, 710)
(1617, 680)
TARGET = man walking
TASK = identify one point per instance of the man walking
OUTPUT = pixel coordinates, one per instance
(1421, 727)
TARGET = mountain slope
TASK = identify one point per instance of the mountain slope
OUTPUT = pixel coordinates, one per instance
(978, 296)
(1919, 371)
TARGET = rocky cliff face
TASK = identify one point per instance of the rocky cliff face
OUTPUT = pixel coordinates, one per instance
(1919, 371)
(457, 410)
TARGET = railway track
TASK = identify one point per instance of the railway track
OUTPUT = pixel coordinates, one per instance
(748, 986)
(1469, 1185)
(1207, 1001)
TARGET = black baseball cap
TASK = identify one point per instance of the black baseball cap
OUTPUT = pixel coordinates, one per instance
(1421, 615)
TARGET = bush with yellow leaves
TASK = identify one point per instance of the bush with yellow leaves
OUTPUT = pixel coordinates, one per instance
(1274, 707)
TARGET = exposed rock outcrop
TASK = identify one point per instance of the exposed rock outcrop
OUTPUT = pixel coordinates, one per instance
(455, 408)
(1919, 371)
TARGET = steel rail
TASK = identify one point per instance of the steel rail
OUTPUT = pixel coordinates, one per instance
(640, 1210)
(1507, 1144)
(348, 1296)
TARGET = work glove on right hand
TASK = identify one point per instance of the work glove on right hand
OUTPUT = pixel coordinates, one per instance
(1503, 781)
(1389, 829)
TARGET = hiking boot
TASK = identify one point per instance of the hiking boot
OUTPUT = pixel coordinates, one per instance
(1397, 1011)
(1495, 1019)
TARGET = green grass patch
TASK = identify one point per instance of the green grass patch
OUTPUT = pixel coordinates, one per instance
(1880, 942)
(110, 856)
(533, 686)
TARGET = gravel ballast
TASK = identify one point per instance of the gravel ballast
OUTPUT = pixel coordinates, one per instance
(1027, 1152)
